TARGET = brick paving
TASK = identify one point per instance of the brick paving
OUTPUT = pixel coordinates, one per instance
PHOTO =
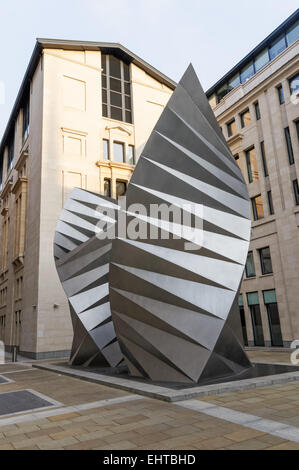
(144, 423)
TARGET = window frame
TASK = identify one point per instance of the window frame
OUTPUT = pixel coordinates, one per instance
(257, 110)
(262, 262)
(289, 145)
(296, 191)
(270, 202)
(242, 114)
(248, 276)
(254, 208)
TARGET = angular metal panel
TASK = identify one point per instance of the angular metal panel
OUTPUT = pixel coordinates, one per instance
(174, 311)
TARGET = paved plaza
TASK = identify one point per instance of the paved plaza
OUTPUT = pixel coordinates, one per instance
(84, 415)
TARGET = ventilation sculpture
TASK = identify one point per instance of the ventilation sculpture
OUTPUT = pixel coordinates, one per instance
(174, 311)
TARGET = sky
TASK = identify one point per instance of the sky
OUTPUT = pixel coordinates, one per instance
(169, 34)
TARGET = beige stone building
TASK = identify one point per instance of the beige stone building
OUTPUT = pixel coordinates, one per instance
(257, 106)
(82, 116)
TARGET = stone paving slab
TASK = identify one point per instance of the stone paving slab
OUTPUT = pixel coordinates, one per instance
(165, 393)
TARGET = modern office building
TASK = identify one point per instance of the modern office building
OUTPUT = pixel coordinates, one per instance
(82, 116)
(257, 106)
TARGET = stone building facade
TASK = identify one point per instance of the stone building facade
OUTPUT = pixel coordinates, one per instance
(81, 118)
(257, 107)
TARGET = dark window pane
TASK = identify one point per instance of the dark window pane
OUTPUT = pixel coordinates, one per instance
(221, 92)
(264, 159)
(104, 96)
(289, 145)
(127, 102)
(104, 63)
(105, 149)
(116, 113)
(234, 82)
(296, 191)
(293, 33)
(114, 65)
(10, 156)
(231, 128)
(118, 152)
(257, 326)
(261, 60)
(277, 47)
(280, 94)
(115, 99)
(294, 84)
(265, 257)
(247, 72)
(115, 84)
(249, 267)
(107, 187)
(121, 188)
(274, 324)
(104, 81)
(257, 111)
(26, 118)
(126, 72)
(297, 128)
(128, 116)
(127, 88)
(104, 110)
(270, 203)
(243, 324)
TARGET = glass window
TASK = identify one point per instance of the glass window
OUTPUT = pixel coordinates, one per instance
(257, 111)
(26, 118)
(293, 33)
(289, 145)
(265, 257)
(121, 188)
(131, 154)
(297, 128)
(270, 203)
(234, 82)
(243, 325)
(257, 207)
(221, 92)
(253, 174)
(10, 150)
(245, 118)
(261, 60)
(116, 89)
(294, 84)
(231, 128)
(296, 191)
(265, 167)
(105, 149)
(273, 317)
(247, 72)
(118, 152)
(280, 94)
(256, 319)
(277, 47)
(249, 267)
(107, 187)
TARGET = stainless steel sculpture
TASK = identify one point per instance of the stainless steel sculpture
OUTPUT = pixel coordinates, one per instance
(82, 262)
(175, 312)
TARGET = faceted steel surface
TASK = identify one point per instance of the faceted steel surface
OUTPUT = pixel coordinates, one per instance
(82, 262)
(175, 312)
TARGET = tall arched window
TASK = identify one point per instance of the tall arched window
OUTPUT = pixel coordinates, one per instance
(116, 89)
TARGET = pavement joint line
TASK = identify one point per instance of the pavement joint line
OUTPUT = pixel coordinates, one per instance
(65, 409)
(16, 371)
(275, 428)
(168, 394)
(6, 380)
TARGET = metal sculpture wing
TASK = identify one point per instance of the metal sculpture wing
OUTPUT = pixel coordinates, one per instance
(82, 262)
(175, 311)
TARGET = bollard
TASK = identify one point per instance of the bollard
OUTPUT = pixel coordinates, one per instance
(14, 354)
